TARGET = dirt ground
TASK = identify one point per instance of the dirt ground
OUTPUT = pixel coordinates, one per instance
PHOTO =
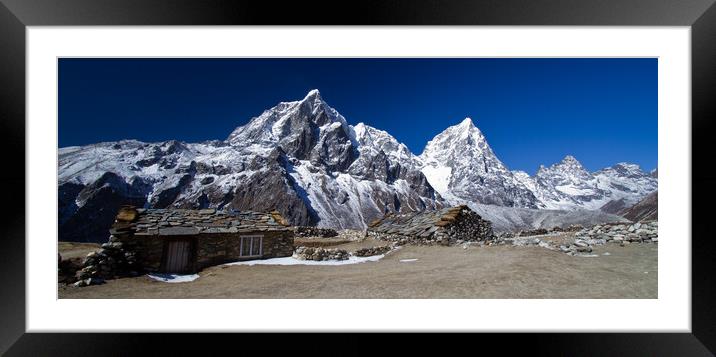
(500, 272)
(71, 250)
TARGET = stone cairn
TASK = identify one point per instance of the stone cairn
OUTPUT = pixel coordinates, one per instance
(320, 254)
(112, 262)
(306, 231)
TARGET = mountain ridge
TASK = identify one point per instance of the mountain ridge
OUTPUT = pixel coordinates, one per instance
(304, 159)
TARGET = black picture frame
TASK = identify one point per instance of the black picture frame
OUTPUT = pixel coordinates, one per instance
(699, 15)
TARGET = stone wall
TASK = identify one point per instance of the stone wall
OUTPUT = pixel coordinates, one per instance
(307, 231)
(213, 249)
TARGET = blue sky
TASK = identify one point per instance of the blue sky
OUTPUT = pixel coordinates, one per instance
(532, 111)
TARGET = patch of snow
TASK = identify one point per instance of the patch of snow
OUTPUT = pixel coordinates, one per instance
(408, 260)
(294, 261)
(438, 176)
(173, 278)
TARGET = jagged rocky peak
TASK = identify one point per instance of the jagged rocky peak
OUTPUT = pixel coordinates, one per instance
(308, 129)
(570, 160)
(461, 141)
(569, 168)
(288, 120)
(570, 163)
(625, 169)
(461, 166)
(376, 139)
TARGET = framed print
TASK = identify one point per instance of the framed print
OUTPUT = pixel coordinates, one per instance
(245, 172)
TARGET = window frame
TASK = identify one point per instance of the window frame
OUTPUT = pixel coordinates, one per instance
(250, 239)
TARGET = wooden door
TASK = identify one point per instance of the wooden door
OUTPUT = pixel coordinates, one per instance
(178, 256)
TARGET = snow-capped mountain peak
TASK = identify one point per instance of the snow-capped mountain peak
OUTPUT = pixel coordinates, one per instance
(568, 167)
(570, 160)
(467, 123)
(460, 164)
(313, 93)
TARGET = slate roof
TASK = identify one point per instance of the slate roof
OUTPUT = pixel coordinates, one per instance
(421, 224)
(171, 222)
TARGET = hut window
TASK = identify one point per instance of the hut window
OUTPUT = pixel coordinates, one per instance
(251, 246)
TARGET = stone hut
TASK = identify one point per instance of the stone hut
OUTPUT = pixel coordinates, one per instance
(186, 241)
(446, 226)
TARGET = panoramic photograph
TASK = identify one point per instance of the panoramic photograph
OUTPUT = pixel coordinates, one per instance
(357, 178)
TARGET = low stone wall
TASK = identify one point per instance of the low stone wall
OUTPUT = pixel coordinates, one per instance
(306, 231)
(533, 232)
(583, 241)
(541, 231)
(645, 232)
(320, 254)
(371, 251)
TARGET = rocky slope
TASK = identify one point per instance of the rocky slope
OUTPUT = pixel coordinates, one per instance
(645, 210)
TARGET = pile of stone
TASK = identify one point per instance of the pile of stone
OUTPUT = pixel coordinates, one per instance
(305, 231)
(371, 251)
(112, 262)
(579, 247)
(640, 232)
(351, 234)
(320, 254)
(447, 226)
(583, 241)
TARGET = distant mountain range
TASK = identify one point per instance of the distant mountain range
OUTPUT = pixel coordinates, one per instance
(304, 159)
